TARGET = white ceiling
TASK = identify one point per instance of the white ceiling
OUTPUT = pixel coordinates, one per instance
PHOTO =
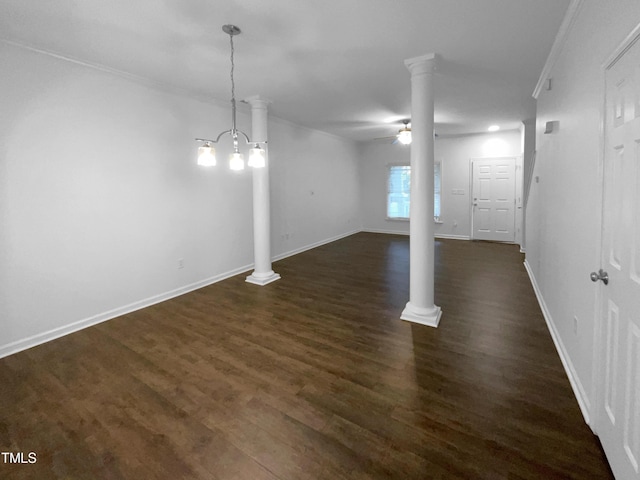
(332, 65)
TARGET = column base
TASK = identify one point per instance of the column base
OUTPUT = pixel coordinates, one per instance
(263, 278)
(424, 316)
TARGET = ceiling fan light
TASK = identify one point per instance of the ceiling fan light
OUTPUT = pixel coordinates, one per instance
(404, 137)
(207, 155)
(257, 157)
(236, 161)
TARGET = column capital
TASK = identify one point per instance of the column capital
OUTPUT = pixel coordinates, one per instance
(422, 64)
(257, 101)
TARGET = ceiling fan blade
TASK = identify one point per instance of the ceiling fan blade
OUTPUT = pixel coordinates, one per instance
(386, 138)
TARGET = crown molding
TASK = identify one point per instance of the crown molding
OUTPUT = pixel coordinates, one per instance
(561, 37)
(138, 79)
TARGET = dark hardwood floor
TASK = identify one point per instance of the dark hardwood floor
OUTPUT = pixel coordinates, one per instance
(311, 377)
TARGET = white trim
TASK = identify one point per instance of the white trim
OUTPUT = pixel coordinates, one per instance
(379, 230)
(558, 44)
(40, 338)
(262, 281)
(625, 45)
(311, 246)
(137, 79)
(446, 136)
(429, 317)
(437, 235)
(242, 106)
(452, 237)
(574, 380)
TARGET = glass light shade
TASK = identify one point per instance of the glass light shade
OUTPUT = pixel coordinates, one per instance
(236, 161)
(207, 156)
(257, 158)
(404, 137)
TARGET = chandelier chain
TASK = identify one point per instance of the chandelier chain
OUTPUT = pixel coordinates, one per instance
(233, 86)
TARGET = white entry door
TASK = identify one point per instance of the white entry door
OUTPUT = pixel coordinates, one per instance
(493, 199)
(618, 340)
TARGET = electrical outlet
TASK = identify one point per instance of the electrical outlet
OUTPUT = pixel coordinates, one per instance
(181, 263)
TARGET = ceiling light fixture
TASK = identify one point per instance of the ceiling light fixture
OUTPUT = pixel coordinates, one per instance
(207, 153)
(493, 128)
(404, 135)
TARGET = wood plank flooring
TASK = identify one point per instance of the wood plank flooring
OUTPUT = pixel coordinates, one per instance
(311, 377)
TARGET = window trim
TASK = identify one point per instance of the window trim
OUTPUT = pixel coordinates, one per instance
(387, 179)
(437, 220)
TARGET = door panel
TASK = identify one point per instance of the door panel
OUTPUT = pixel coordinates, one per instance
(611, 360)
(493, 209)
(618, 419)
(632, 414)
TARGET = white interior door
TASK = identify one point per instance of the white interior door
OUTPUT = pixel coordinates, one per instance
(493, 194)
(618, 415)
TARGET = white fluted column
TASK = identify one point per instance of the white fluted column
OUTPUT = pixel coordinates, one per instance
(421, 307)
(262, 273)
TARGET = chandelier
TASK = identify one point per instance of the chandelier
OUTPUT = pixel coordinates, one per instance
(207, 152)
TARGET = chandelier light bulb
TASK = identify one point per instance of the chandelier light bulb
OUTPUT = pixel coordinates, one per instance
(257, 157)
(207, 155)
(236, 161)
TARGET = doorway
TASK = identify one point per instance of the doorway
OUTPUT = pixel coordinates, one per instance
(493, 182)
(618, 337)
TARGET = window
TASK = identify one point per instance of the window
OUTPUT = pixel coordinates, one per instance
(398, 192)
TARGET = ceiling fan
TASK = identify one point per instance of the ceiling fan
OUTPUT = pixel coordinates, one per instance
(403, 136)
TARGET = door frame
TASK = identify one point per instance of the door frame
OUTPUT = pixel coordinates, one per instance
(517, 194)
(597, 370)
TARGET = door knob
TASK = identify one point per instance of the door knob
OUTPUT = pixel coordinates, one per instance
(601, 275)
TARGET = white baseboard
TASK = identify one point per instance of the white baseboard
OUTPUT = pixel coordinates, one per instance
(452, 237)
(40, 338)
(296, 251)
(574, 380)
(388, 232)
(437, 235)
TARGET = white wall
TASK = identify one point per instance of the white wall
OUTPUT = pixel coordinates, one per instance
(373, 186)
(315, 187)
(564, 209)
(100, 195)
(454, 154)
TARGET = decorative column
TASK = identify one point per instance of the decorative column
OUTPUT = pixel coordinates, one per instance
(262, 273)
(421, 308)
